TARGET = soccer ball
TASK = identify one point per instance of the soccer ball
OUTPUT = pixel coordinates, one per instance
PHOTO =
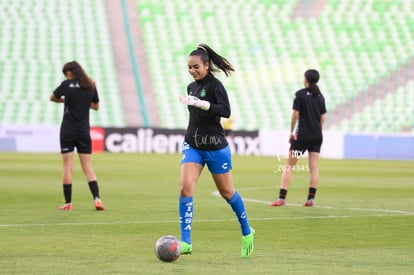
(167, 248)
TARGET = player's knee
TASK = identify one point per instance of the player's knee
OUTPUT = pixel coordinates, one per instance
(227, 194)
(186, 190)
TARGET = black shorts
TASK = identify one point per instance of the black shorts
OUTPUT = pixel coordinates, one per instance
(302, 146)
(71, 138)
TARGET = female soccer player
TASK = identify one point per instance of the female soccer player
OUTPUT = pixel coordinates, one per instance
(205, 143)
(78, 93)
(309, 111)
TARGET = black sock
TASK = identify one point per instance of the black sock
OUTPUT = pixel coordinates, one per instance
(312, 193)
(93, 186)
(282, 194)
(67, 192)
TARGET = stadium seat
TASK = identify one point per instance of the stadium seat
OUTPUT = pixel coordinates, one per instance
(353, 43)
(32, 56)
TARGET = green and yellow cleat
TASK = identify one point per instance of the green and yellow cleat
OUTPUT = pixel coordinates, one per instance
(186, 248)
(248, 244)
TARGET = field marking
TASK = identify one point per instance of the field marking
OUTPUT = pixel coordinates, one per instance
(14, 225)
(217, 194)
(380, 213)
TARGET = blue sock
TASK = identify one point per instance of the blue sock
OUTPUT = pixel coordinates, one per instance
(186, 218)
(237, 205)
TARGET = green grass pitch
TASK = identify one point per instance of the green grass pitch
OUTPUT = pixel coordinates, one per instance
(363, 221)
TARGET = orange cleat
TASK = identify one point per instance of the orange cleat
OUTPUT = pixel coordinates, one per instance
(309, 203)
(66, 207)
(99, 205)
(278, 202)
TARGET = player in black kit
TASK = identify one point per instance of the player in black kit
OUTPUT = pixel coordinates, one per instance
(78, 93)
(306, 134)
(205, 144)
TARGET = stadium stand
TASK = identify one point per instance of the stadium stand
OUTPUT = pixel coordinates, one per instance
(355, 44)
(38, 37)
(363, 49)
(392, 113)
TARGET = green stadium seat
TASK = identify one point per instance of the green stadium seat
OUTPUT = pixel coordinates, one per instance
(32, 55)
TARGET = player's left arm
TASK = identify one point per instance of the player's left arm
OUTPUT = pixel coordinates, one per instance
(94, 106)
(322, 120)
(95, 100)
(221, 105)
(58, 95)
(323, 110)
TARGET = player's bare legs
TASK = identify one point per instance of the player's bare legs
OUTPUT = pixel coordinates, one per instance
(67, 159)
(224, 184)
(287, 172)
(313, 178)
(190, 172)
(86, 164)
(313, 169)
(285, 179)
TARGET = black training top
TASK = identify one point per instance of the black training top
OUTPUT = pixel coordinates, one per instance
(310, 110)
(204, 129)
(77, 103)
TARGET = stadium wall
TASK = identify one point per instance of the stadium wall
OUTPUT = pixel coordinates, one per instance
(265, 142)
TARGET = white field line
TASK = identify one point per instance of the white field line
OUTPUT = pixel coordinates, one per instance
(216, 193)
(13, 225)
(379, 213)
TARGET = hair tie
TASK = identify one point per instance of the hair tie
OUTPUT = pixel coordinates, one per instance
(202, 48)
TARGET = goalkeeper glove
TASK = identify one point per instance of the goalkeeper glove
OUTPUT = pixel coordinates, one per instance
(195, 101)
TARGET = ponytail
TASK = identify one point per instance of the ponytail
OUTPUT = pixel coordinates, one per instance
(312, 76)
(314, 89)
(216, 61)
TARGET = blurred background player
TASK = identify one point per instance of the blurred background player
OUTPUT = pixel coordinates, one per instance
(205, 143)
(78, 93)
(308, 117)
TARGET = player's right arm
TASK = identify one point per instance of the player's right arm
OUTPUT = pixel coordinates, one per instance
(294, 125)
(58, 95)
(53, 98)
(221, 107)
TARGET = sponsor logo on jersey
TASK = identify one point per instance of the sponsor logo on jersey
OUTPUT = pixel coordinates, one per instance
(203, 93)
(74, 85)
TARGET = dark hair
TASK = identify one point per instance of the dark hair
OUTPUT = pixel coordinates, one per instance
(79, 74)
(217, 62)
(312, 76)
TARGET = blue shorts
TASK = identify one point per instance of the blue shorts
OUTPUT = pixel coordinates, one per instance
(218, 161)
